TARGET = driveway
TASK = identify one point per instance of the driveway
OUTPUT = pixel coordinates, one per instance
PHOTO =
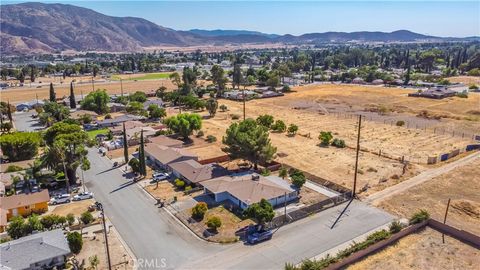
(153, 234)
(24, 122)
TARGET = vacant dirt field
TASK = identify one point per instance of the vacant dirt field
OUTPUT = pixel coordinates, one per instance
(423, 250)
(461, 185)
(16, 95)
(76, 208)
(465, 79)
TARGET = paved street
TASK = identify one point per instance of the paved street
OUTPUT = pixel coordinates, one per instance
(152, 233)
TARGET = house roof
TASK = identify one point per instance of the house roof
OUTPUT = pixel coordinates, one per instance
(128, 125)
(79, 113)
(149, 102)
(165, 141)
(196, 172)
(20, 200)
(7, 178)
(120, 119)
(134, 133)
(167, 155)
(244, 188)
(28, 250)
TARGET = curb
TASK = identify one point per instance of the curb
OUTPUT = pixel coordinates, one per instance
(124, 244)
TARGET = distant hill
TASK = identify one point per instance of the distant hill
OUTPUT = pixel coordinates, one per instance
(220, 33)
(38, 27)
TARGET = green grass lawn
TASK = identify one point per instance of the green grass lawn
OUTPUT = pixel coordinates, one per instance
(149, 76)
(93, 133)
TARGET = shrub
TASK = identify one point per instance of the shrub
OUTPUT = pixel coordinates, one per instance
(13, 168)
(199, 210)
(70, 219)
(214, 223)
(473, 87)
(235, 116)
(419, 217)
(49, 221)
(265, 120)
(298, 178)
(179, 183)
(462, 95)
(223, 108)
(262, 211)
(338, 143)
(283, 172)
(211, 138)
(200, 134)
(279, 126)
(108, 116)
(325, 137)
(86, 217)
(400, 123)
(292, 129)
(75, 241)
(188, 188)
(286, 88)
(265, 172)
(395, 227)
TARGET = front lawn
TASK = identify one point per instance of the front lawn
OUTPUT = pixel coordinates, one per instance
(93, 133)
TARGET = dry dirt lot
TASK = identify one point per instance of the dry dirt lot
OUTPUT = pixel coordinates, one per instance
(16, 95)
(462, 185)
(76, 208)
(166, 191)
(468, 80)
(96, 246)
(423, 250)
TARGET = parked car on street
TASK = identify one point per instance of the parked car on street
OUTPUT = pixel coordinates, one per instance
(83, 196)
(260, 236)
(62, 198)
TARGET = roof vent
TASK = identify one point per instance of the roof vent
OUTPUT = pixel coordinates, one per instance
(255, 177)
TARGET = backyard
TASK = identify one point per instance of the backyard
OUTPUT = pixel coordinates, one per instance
(93, 133)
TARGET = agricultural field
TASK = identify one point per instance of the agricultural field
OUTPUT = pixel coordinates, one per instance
(461, 185)
(141, 76)
(423, 250)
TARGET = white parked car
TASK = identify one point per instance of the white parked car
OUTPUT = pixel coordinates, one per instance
(83, 196)
(159, 176)
(62, 198)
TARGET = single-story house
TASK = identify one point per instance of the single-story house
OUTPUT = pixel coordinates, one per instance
(238, 95)
(79, 113)
(194, 172)
(133, 134)
(437, 93)
(157, 101)
(165, 141)
(358, 80)
(29, 105)
(118, 130)
(246, 189)
(119, 120)
(268, 94)
(162, 156)
(23, 204)
(116, 107)
(6, 181)
(45, 250)
(378, 82)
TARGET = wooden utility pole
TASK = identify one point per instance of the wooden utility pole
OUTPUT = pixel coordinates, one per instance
(356, 158)
(100, 206)
(243, 104)
(445, 219)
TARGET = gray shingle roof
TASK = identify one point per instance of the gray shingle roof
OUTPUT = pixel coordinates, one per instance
(28, 250)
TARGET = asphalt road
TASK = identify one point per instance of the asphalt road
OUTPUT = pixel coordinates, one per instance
(153, 234)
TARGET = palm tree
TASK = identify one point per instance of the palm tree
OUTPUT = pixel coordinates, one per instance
(52, 157)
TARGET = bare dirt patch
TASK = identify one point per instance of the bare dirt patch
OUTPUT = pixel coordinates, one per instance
(166, 191)
(465, 79)
(423, 250)
(461, 185)
(76, 208)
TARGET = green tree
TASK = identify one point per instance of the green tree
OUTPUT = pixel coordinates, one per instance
(283, 172)
(175, 78)
(155, 112)
(218, 79)
(262, 211)
(199, 210)
(34, 224)
(73, 103)
(292, 129)
(249, 141)
(213, 223)
(17, 227)
(184, 124)
(141, 156)
(160, 93)
(75, 242)
(70, 219)
(298, 178)
(86, 217)
(135, 107)
(138, 96)
(223, 108)
(96, 101)
(57, 111)
(53, 97)
(237, 76)
(325, 137)
(265, 120)
(20, 145)
(134, 163)
(212, 105)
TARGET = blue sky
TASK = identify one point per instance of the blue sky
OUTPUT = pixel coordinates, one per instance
(440, 18)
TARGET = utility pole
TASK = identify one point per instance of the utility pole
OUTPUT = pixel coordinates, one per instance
(93, 85)
(243, 104)
(356, 158)
(121, 86)
(445, 219)
(100, 207)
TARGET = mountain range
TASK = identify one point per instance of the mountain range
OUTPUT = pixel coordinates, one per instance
(39, 28)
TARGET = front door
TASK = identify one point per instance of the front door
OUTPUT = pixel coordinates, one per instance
(15, 212)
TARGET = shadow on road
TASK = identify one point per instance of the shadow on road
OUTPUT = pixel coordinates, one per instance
(113, 168)
(122, 186)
